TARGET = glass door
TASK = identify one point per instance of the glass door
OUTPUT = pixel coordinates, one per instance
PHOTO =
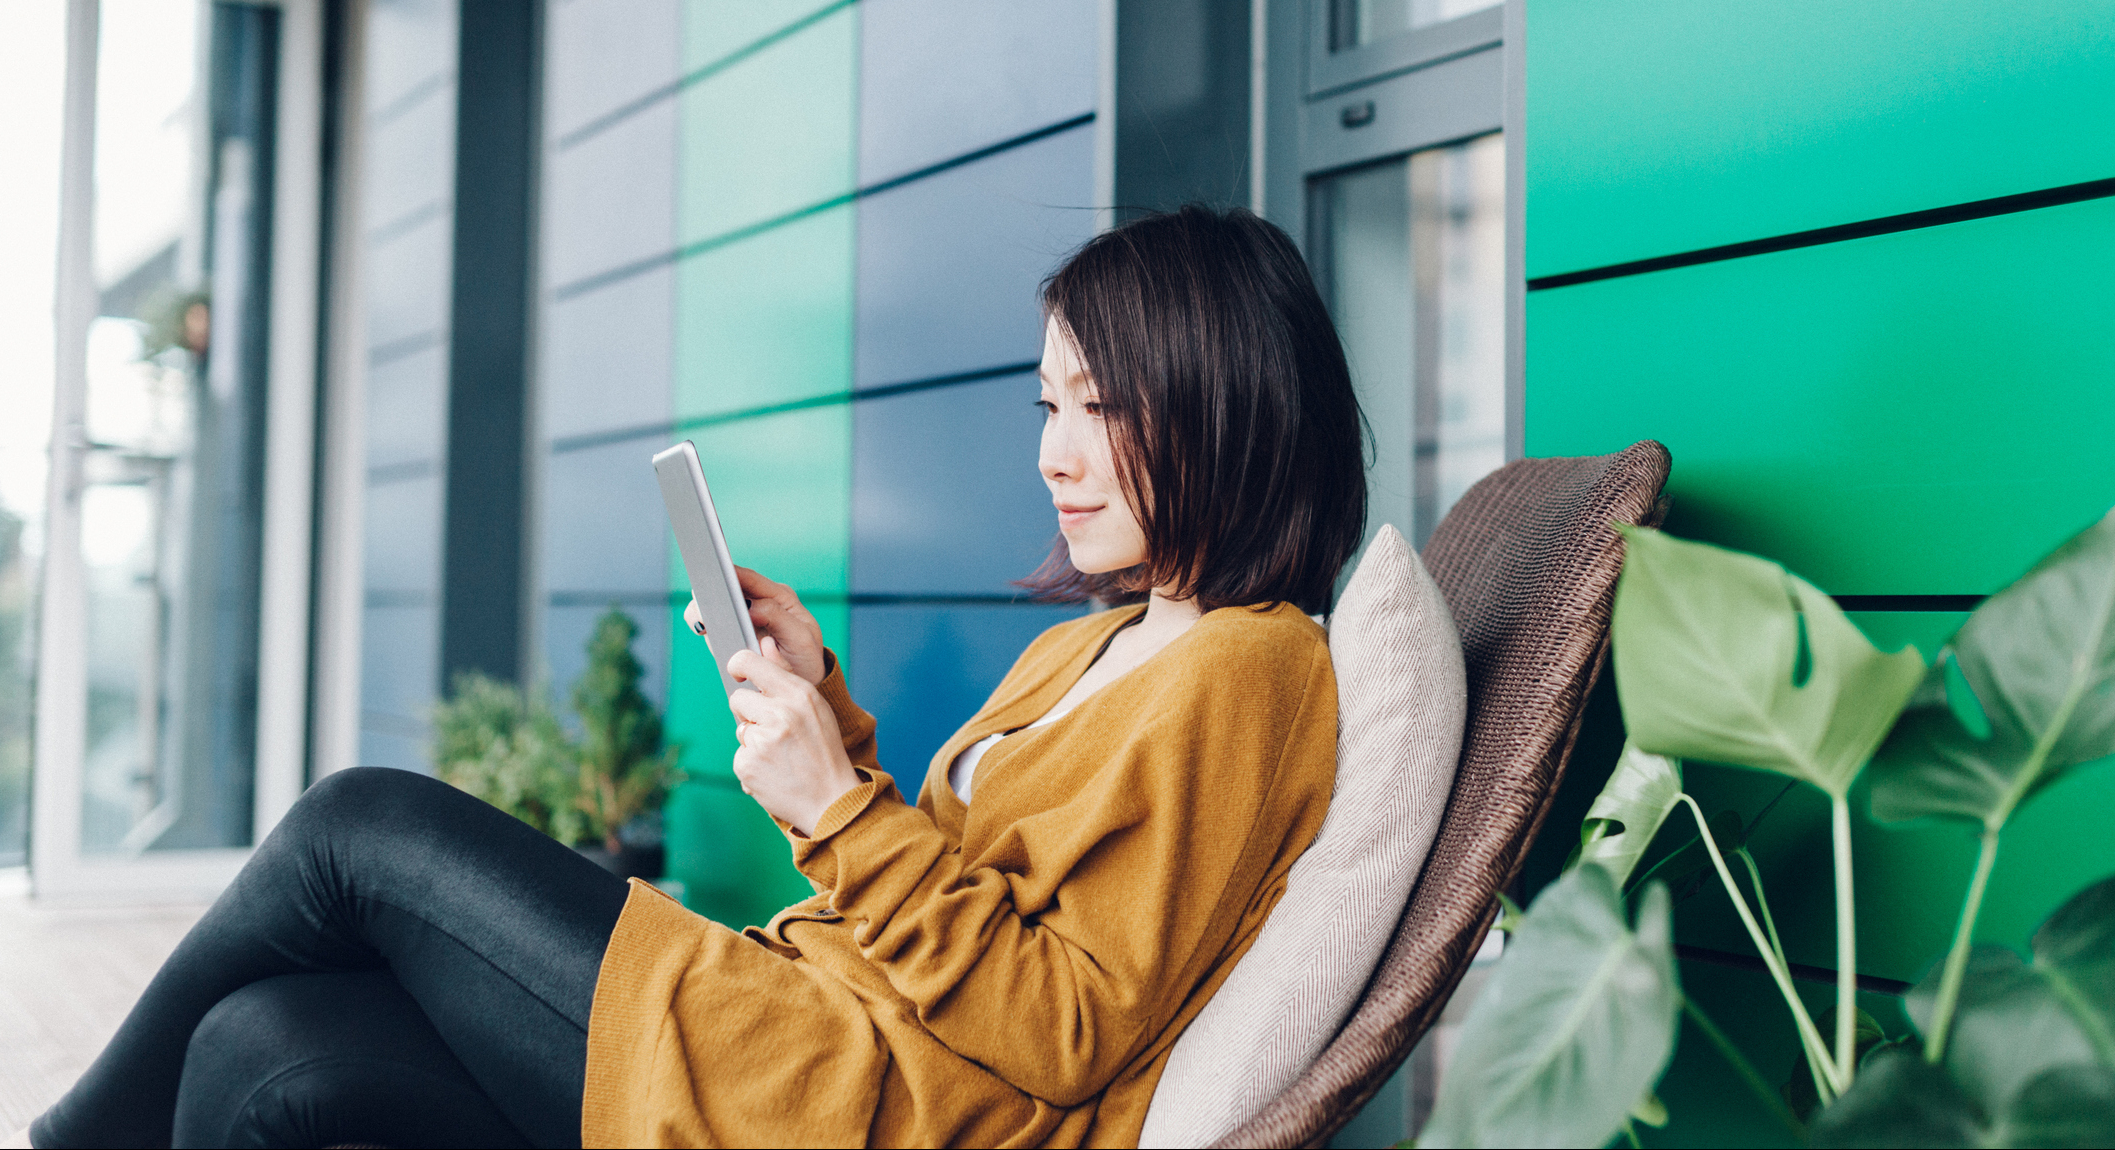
(1411, 252)
(152, 624)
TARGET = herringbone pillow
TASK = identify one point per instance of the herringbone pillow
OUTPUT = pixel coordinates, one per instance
(1401, 701)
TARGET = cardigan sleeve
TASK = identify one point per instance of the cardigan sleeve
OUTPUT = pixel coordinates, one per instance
(854, 726)
(1087, 921)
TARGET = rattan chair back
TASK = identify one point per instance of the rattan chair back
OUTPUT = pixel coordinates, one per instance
(1527, 561)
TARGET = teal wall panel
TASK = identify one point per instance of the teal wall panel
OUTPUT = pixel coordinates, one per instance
(763, 316)
(768, 319)
(1664, 126)
(1917, 413)
(772, 132)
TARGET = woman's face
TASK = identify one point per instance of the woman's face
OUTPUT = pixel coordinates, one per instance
(1097, 521)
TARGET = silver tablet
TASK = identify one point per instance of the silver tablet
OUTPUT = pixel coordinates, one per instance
(705, 559)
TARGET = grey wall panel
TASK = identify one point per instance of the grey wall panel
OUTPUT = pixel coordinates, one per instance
(922, 671)
(408, 43)
(407, 409)
(600, 54)
(607, 357)
(409, 167)
(604, 528)
(948, 265)
(403, 539)
(565, 637)
(399, 676)
(938, 78)
(407, 287)
(610, 199)
(946, 498)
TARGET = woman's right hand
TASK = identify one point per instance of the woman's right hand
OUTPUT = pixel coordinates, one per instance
(776, 611)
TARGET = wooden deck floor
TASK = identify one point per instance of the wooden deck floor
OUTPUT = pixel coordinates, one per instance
(68, 974)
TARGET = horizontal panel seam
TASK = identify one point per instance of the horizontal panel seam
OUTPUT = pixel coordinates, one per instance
(638, 104)
(1908, 602)
(1870, 983)
(582, 442)
(676, 255)
(1838, 233)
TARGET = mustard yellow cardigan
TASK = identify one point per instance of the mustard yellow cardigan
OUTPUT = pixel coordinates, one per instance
(1011, 973)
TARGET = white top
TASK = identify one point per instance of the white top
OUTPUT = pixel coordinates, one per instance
(962, 773)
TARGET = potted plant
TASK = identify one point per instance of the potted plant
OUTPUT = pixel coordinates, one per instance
(1728, 658)
(600, 793)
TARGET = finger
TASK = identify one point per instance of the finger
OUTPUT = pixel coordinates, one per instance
(773, 653)
(752, 706)
(756, 586)
(694, 617)
(767, 676)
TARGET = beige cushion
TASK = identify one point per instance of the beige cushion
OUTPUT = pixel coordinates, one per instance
(1401, 703)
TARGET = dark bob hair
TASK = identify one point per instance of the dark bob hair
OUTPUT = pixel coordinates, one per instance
(1229, 406)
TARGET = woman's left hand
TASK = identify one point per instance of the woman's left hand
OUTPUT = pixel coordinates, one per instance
(792, 760)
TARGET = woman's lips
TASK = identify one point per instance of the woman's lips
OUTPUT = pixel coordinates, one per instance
(1074, 516)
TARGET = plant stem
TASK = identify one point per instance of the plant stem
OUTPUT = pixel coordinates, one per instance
(1957, 958)
(1761, 903)
(1846, 944)
(1630, 1131)
(1809, 1037)
(1744, 1068)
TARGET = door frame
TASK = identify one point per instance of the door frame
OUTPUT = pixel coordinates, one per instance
(56, 864)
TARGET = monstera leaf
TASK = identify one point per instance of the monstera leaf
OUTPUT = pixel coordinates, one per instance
(2025, 693)
(2018, 1019)
(1902, 1100)
(1629, 811)
(1574, 1027)
(1730, 658)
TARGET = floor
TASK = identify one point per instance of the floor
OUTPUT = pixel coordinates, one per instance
(68, 974)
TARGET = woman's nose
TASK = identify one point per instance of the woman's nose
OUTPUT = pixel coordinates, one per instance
(1058, 459)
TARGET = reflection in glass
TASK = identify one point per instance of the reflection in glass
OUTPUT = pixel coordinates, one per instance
(1411, 256)
(171, 444)
(1356, 22)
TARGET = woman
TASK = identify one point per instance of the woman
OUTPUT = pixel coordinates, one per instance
(1006, 962)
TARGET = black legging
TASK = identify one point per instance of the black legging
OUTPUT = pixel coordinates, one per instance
(398, 964)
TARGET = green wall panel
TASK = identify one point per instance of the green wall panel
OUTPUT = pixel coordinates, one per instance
(1919, 413)
(767, 319)
(768, 129)
(773, 132)
(1708, 1103)
(1662, 126)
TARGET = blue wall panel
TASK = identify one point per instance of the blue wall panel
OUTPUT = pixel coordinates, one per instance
(608, 356)
(923, 670)
(939, 78)
(604, 54)
(610, 198)
(948, 266)
(407, 408)
(945, 493)
(399, 678)
(604, 529)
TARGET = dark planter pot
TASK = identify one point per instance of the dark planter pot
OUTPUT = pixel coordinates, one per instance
(630, 862)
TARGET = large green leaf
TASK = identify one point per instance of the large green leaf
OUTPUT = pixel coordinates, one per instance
(2017, 1020)
(1574, 1027)
(1629, 811)
(1901, 1100)
(1730, 658)
(2039, 659)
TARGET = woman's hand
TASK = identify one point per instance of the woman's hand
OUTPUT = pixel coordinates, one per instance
(792, 760)
(776, 612)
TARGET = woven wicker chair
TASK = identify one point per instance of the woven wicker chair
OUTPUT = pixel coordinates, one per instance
(1528, 563)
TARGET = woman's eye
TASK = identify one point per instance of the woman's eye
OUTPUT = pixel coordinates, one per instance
(1093, 408)
(1049, 408)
